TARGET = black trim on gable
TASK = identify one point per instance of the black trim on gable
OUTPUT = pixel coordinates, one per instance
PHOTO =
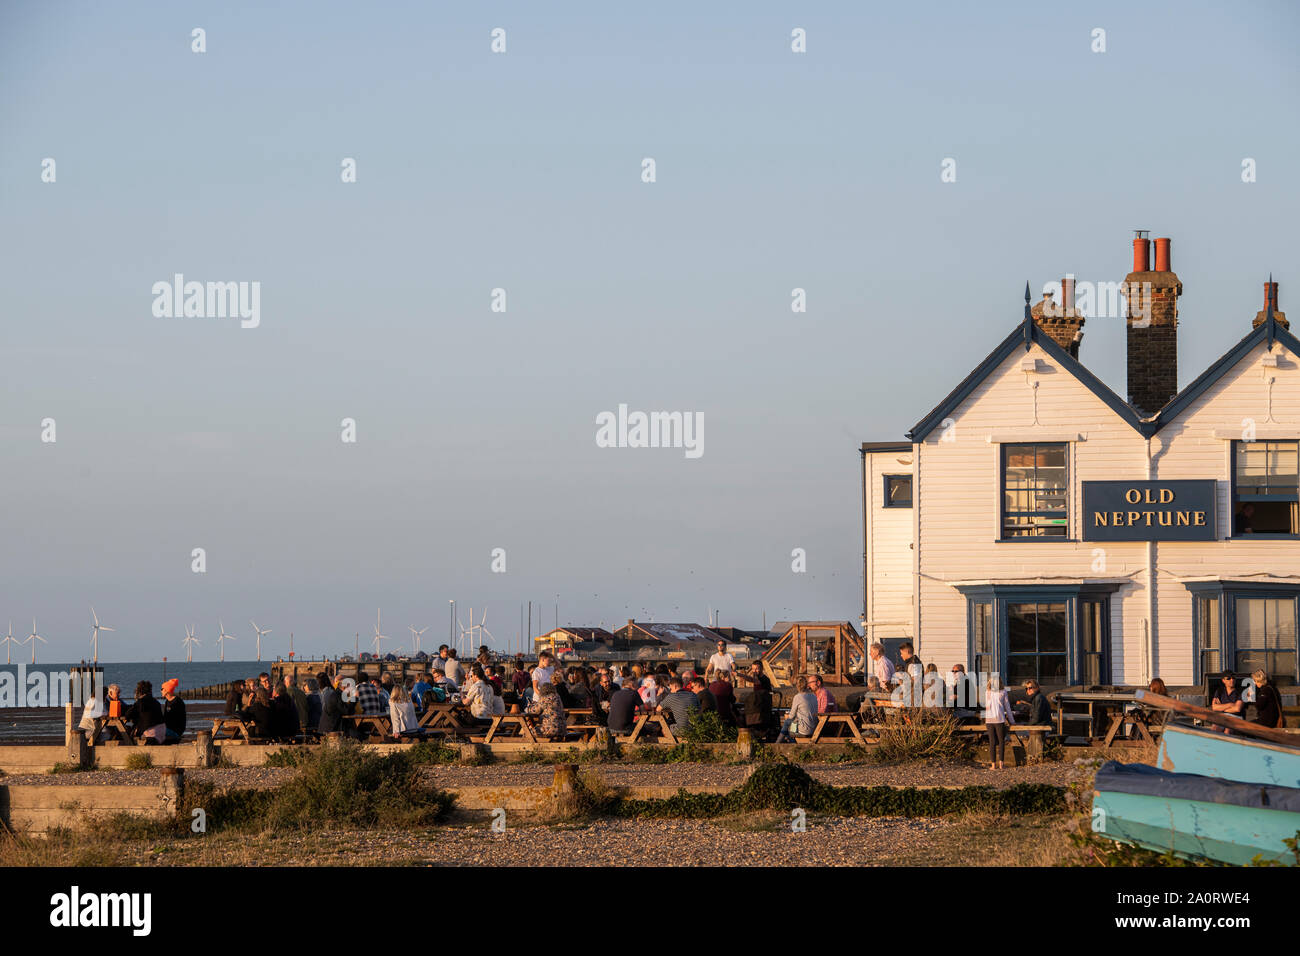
(1027, 332)
(1268, 332)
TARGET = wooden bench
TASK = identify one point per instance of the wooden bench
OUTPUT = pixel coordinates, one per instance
(449, 717)
(1037, 734)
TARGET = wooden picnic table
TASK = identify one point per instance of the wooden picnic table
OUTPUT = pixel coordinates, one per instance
(665, 729)
(524, 721)
(117, 723)
(450, 716)
(837, 719)
(381, 725)
(236, 727)
(1095, 703)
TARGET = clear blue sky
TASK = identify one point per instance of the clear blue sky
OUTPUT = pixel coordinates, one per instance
(476, 430)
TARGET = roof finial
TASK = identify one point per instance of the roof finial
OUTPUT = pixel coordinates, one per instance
(1029, 319)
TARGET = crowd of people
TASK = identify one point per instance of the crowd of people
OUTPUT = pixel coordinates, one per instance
(615, 696)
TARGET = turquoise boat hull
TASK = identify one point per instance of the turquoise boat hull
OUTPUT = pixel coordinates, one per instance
(1195, 816)
(1228, 757)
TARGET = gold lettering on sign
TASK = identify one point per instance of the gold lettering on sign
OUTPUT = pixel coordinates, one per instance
(1133, 496)
(1166, 496)
(1099, 518)
(1117, 519)
(1200, 519)
(1184, 518)
(1166, 519)
(1133, 517)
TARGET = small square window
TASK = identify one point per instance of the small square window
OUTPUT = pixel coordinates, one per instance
(898, 491)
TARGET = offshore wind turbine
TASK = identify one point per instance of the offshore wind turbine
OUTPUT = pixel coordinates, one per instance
(189, 642)
(378, 637)
(260, 631)
(8, 641)
(94, 635)
(415, 637)
(33, 638)
(222, 637)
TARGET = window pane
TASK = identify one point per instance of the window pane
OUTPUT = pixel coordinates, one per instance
(1051, 627)
(1021, 668)
(1034, 490)
(1021, 634)
(983, 628)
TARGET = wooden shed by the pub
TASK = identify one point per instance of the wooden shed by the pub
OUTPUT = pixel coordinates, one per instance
(831, 649)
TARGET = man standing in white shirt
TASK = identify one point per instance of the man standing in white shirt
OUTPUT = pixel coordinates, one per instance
(544, 672)
(880, 664)
(721, 661)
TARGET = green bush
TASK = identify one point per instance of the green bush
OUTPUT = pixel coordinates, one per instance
(139, 760)
(337, 785)
(707, 728)
(784, 786)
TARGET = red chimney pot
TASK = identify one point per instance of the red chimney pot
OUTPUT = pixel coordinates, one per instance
(1141, 255)
(1162, 255)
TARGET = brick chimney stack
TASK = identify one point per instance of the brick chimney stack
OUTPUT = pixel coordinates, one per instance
(1152, 296)
(1270, 296)
(1060, 320)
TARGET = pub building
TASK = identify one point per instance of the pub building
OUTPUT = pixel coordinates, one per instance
(1037, 525)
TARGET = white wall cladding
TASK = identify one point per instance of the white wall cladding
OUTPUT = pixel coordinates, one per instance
(889, 546)
(957, 493)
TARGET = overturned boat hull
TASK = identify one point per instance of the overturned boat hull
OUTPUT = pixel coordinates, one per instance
(1195, 815)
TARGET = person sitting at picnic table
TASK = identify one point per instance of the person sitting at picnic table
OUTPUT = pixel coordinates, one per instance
(678, 703)
(92, 717)
(259, 714)
(547, 703)
(520, 679)
(1227, 699)
(173, 712)
(964, 692)
(825, 702)
(623, 704)
(497, 678)
(724, 697)
(284, 714)
(649, 691)
(264, 680)
(235, 699)
(997, 720)
(453, 668)
(418, 690)
(1035, 706)
(707, 701)
(146, 715)
(881, 665)
(401, 711)
(331, 704)
(1268, 702)
(311, 691)
(579, 690)
(477, 695)
(801, 720)
(369, 700)
(298, 697)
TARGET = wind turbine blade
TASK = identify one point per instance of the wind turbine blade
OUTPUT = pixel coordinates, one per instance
(103, 628)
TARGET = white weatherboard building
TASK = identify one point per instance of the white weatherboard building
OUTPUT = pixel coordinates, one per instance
(1035, 524)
